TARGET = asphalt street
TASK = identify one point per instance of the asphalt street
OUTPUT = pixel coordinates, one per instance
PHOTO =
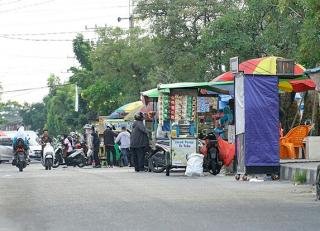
(120, 199)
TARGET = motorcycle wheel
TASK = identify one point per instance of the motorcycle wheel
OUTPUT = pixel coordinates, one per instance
(82, 162)
(50, 164)
(157, 161)
(214, 166)
(20, 166)
(318, 183)
(58, 159)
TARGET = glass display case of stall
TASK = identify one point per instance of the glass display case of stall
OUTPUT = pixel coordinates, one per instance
(180, 108)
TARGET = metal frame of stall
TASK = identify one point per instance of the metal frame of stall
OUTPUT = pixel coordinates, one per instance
(182, 99)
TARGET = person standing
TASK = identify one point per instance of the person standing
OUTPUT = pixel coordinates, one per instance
(68, 146)
(139, 142)
(95, 146)
(124, 139)
(108, 140)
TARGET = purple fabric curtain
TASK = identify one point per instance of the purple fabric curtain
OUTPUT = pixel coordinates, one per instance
(261, 120)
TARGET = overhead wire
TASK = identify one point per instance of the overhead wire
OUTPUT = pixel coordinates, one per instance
(36, 40)
(9, 3)
(26, 6)
(34, 88)
(49, 33)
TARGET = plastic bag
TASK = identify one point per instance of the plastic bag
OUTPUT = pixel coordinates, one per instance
(226, 151)
(194, 165)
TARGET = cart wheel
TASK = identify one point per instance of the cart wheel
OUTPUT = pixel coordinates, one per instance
(168, 171)
(245, 178)
(237, 177)
(275, 176)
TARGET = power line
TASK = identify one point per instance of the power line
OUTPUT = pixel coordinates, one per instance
(26, 6)
(36, 40)
(34, 88)
(49, 33)
(9, 3)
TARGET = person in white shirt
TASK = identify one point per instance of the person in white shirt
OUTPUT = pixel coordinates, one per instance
(124, 139)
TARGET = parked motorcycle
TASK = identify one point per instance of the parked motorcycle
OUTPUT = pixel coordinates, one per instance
(20, 155)
(156, 160)
(209, 148)
(47, 159)
(58, 152)
(76, 158)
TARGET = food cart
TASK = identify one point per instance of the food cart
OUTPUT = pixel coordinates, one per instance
(177, 107)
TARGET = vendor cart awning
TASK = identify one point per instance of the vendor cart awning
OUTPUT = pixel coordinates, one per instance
(152, 93)
(219, 88)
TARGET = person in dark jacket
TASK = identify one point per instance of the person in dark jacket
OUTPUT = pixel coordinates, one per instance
(96, 146)
(139, 142)
(108, 139)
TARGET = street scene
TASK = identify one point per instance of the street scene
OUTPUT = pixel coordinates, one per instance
(159, 115)
(120, 199)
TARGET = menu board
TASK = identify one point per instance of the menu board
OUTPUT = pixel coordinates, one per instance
(180, 148)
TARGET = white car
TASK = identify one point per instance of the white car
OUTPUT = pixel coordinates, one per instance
(6, 151)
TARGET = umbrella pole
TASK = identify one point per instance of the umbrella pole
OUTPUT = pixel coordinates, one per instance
(313, 110)
(296, 115)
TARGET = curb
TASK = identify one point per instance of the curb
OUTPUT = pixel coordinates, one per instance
(288, 172)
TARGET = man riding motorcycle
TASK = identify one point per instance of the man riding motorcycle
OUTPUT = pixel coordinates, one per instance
(20, 135)
(45, 138)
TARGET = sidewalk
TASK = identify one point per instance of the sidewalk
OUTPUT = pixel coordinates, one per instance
(288, 168)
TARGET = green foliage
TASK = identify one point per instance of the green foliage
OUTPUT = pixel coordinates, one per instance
(10, 113)
(300, 177)
(61, 117)
(34, 116)
(308, 52)
(81, 49)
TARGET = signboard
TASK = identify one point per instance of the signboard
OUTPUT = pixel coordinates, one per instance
(180, 148)
(234, 65)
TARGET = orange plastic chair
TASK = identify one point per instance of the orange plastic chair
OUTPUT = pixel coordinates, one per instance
(293, 141)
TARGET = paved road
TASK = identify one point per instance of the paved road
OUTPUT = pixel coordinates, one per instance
(120, 199)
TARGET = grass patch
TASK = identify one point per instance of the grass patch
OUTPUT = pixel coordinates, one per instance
(300, 177)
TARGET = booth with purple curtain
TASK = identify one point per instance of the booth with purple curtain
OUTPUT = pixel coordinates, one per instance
(257, 124)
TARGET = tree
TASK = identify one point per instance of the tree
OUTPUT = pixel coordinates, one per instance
(121, 63)
(82, 49)
(309, 36)
(256, 29)
(178, 27)
(10, 114)
(61, 117)
(34, 116)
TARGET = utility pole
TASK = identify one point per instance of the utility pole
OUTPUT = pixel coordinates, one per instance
(131, 16)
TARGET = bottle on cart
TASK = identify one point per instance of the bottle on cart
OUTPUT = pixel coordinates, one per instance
(175, 130)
